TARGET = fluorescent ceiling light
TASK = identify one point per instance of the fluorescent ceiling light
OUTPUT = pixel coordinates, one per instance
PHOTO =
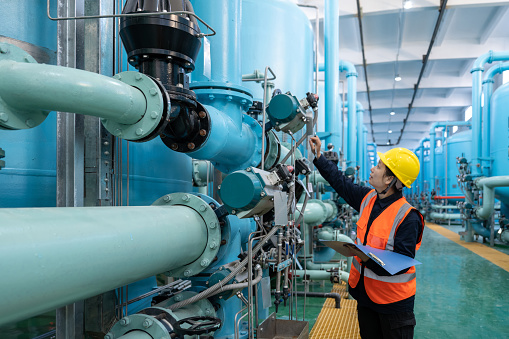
(392, 113)
(388, 142)
(397, 78)
(389, 131)
(407, 4)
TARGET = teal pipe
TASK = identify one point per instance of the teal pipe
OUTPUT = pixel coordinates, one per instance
(451, 207)
(360, 146)
(316, 212)
(320, 275)
(31, 87)
(333, 126)
(445, 216)
(323, 267)
(432, 146)
(486, 111)
(53, 257)
(316, 178)
(364, 155)
(335, 235)
(488, 185)
(331, 49)
(351, 79)
(476, 71)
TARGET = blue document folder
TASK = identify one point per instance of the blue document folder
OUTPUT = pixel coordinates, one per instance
(389, 261)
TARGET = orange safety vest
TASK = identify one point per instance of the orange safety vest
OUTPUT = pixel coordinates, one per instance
(383, 289)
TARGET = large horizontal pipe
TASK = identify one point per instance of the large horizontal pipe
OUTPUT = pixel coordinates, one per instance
(56, 256)
(320, 275)
(35, 87)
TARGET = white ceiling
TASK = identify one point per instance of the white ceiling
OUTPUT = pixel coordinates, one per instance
(395, 41)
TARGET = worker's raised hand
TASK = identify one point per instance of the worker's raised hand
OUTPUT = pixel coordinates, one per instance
(315, 144)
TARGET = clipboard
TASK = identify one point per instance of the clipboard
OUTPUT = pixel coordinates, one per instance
(390, 261)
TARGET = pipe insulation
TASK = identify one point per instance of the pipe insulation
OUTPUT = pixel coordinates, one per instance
(53, 257)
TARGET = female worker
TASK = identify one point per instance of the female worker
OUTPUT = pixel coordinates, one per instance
(385, 303)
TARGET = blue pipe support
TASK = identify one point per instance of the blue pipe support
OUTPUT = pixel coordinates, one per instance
(432, 146)
(360, 145)
(486, 111)
(56, 256)
(332, 104)
(476, 71)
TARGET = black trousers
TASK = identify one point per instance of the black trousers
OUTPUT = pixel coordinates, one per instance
(374, 325)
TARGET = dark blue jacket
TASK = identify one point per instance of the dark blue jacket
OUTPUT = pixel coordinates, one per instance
(406, 238)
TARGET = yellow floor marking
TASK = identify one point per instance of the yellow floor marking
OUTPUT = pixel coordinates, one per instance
(496, 257)
(335, 323)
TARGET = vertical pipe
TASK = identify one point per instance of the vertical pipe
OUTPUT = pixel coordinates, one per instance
(365, 153)
(351, 77)
(476, 71)
(225, 49)
(331, 37)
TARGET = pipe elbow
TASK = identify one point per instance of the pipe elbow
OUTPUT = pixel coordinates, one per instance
(481, 60)
(348, 67)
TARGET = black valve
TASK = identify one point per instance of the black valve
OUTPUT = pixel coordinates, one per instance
(312, 99)
(302, 166)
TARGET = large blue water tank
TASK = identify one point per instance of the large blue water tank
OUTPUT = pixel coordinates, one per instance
(278, 34)
(457, 145)
(499, 138)
(29, 176)
(426, 173)
(439, 171)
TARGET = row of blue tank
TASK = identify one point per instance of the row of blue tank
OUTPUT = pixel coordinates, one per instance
(250, 35)
(456, 166)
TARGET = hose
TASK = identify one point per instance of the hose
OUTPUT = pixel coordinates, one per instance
(259, 276)
(206, 293)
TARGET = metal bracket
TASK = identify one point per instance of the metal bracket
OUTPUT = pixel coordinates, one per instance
(200, 35)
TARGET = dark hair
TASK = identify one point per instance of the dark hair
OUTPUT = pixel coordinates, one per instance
(388, 172)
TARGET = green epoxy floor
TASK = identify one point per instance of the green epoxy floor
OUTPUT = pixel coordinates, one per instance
(459, 294)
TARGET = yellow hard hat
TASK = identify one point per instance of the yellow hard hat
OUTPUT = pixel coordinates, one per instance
(403, 163)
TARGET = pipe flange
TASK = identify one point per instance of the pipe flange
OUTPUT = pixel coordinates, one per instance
(138, 322)
(335, 210)
(273, 150)
(213, 230)
(12, 119)
(153, 112)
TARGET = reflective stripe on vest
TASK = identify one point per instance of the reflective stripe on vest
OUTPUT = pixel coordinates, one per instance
(399, 218)
(400, 278)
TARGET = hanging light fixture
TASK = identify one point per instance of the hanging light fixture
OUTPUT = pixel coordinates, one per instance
(392, 113)
(389, 131)
(407, 4)
(397, 78)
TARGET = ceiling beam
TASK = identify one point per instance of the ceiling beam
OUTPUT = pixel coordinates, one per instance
(497, 14)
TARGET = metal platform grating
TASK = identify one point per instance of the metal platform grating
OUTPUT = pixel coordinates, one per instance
(333, 323)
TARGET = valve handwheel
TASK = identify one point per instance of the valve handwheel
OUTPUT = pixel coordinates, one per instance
(198, 325)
